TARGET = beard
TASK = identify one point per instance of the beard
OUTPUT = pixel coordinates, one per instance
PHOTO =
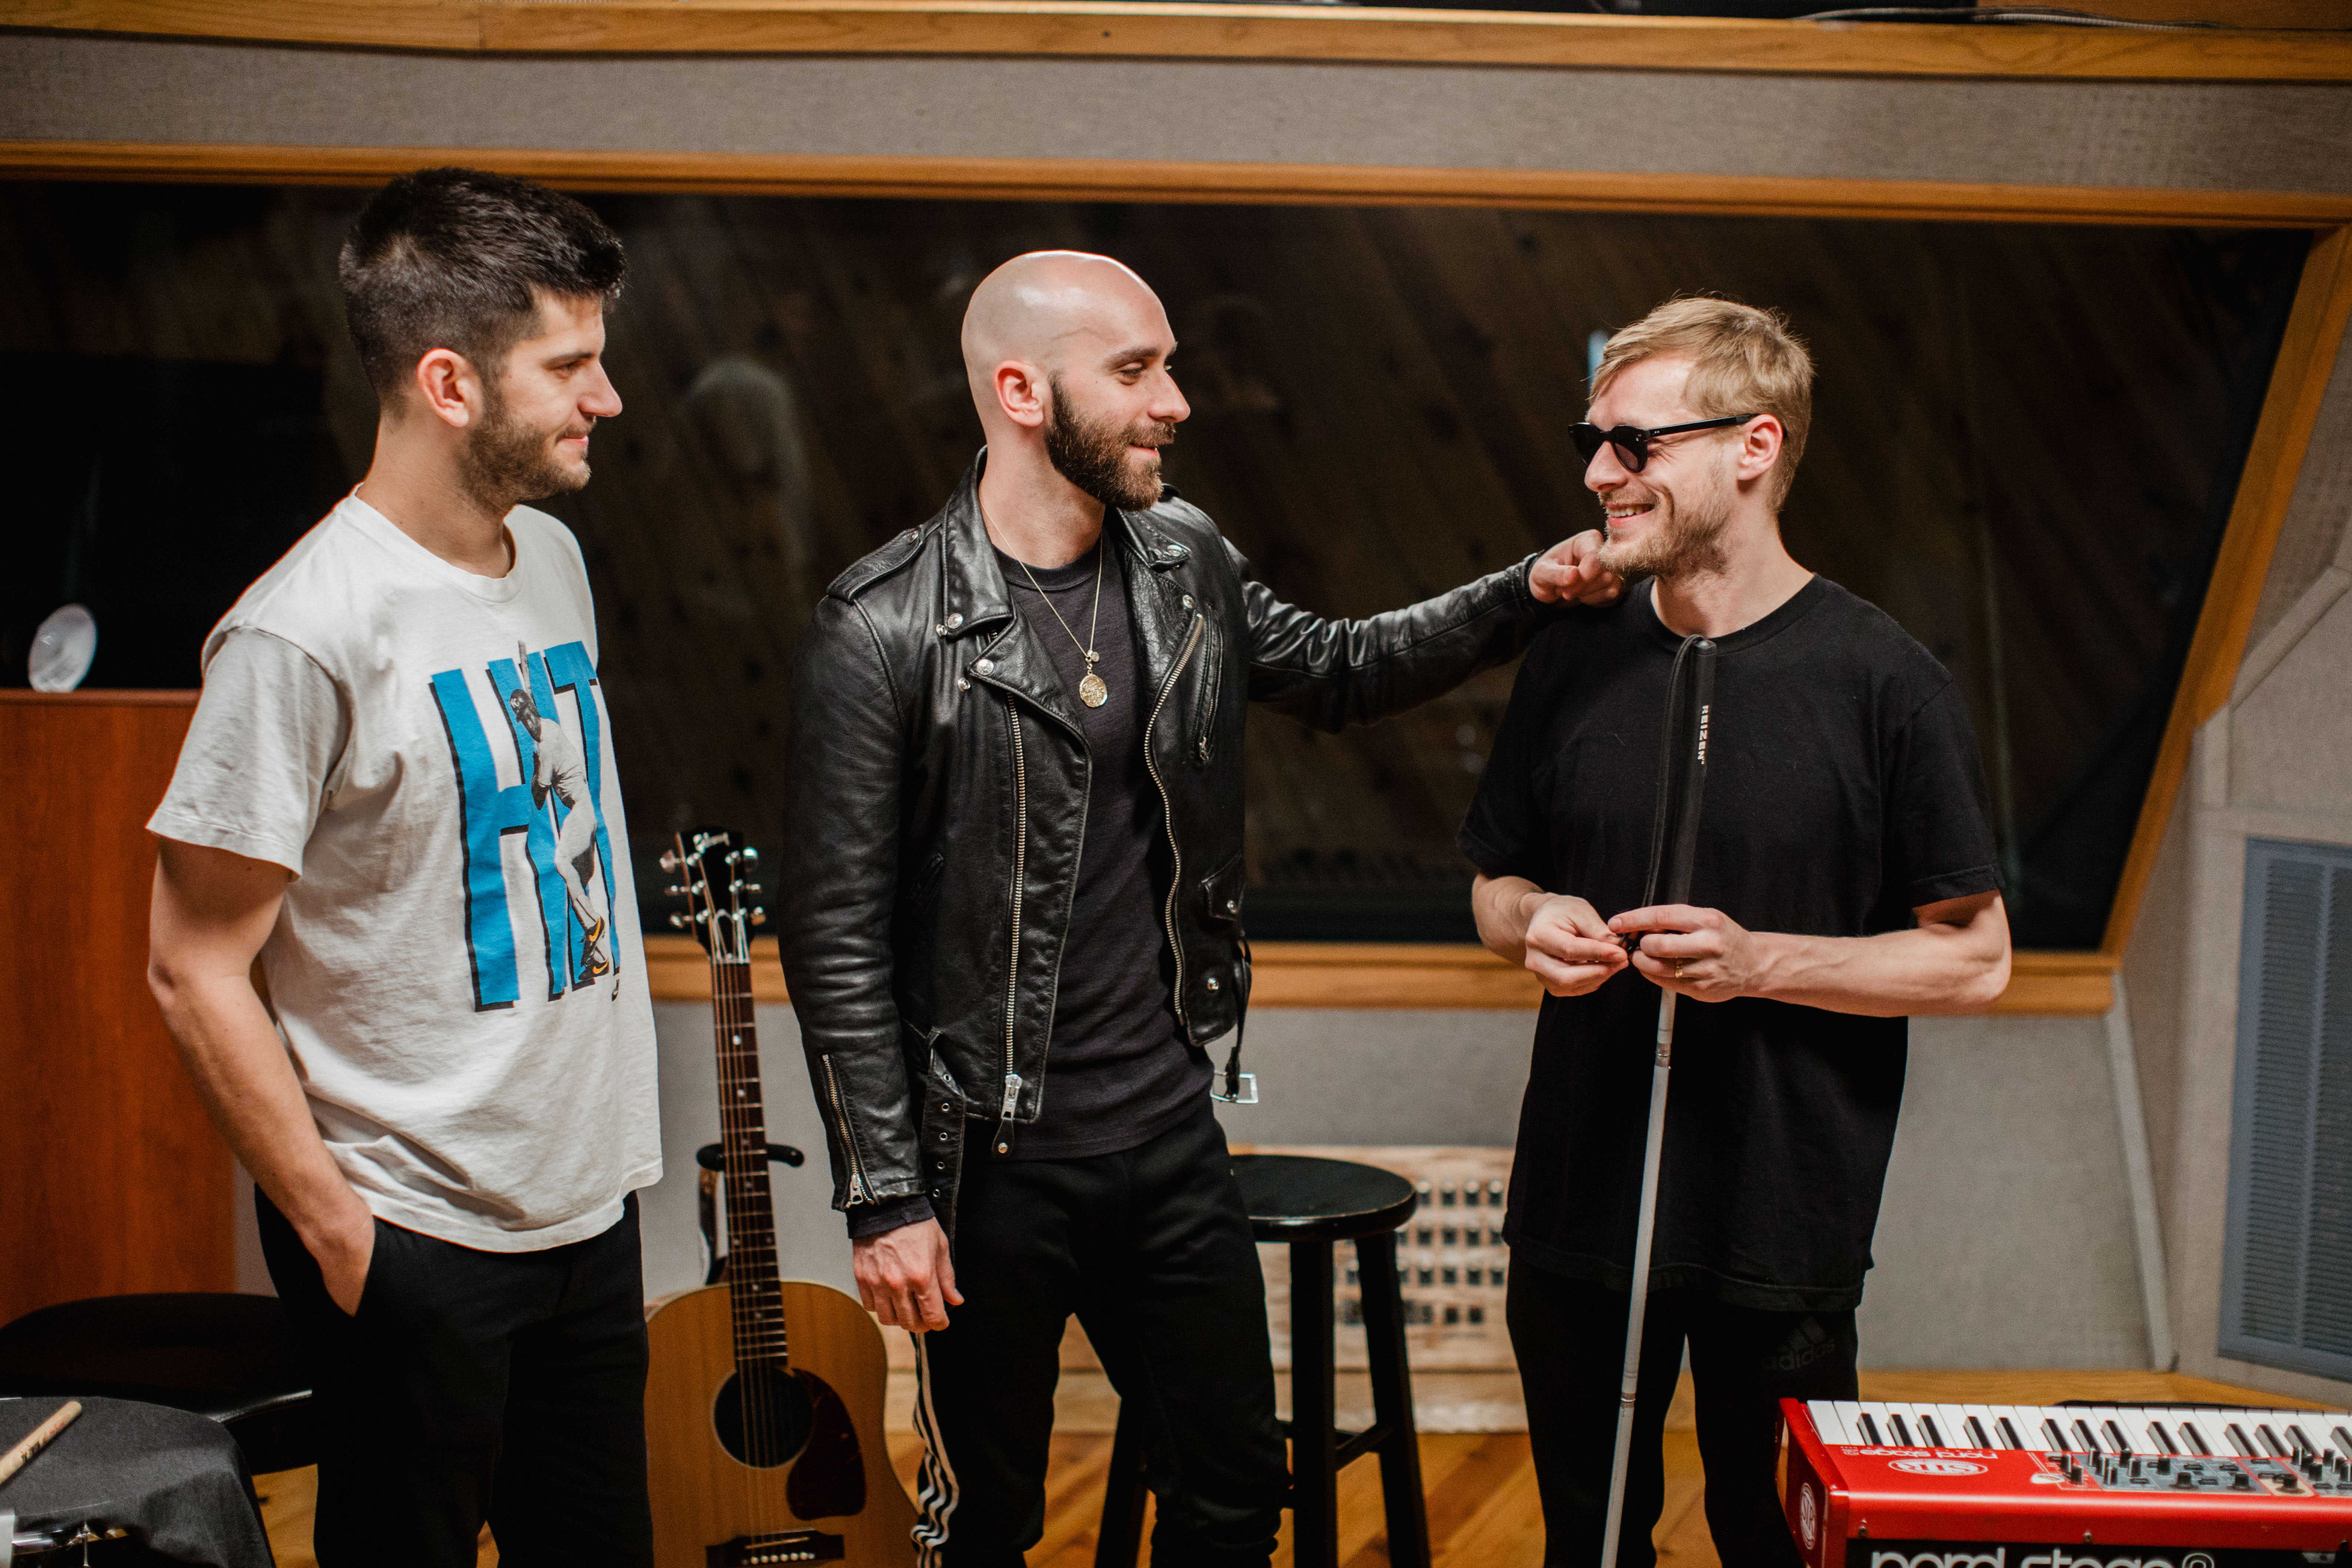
(508, 460)
(1683, 544)
(1092, 454)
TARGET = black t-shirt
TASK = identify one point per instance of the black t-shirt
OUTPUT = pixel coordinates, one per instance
(1843, 790)
(1119, 1070)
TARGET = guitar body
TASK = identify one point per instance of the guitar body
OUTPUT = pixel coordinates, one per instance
(697, 1407)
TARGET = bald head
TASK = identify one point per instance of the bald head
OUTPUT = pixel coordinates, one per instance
(1053, 309)
(1067, 358)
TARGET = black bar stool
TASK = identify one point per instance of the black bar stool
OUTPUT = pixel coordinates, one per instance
(1311, 1203)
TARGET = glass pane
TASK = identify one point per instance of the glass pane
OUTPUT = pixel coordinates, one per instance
(2026, 440)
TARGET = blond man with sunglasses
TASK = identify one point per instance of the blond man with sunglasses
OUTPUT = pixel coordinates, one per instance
(1846, 879)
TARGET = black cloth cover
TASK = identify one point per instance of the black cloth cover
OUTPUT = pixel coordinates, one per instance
(174, 1480)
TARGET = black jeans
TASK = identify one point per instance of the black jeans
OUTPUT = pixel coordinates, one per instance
(1569, 1337)
(506, 1386)
(1151, 1248)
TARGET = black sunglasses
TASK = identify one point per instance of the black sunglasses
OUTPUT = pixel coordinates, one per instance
(1634, 446)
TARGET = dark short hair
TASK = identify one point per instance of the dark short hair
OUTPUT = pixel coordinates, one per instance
(455, 258)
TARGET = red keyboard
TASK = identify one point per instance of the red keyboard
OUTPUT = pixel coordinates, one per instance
(1870, 1484)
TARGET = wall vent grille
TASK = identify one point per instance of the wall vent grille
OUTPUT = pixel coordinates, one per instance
(2287, 1278)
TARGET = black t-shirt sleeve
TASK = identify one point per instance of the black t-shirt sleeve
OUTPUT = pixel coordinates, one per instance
(1505, 832)
(1939, 824)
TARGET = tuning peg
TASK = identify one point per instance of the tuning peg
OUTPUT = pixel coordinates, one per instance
(758, 917)
(676, 890)
(750, 855)
(669, 862)
(677, 921)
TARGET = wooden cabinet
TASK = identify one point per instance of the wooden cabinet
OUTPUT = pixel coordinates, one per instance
(111, 1179)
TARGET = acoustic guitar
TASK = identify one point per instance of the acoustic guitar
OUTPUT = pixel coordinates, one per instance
(761, 1452)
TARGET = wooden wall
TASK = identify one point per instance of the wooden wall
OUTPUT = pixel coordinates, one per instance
(113, 1180)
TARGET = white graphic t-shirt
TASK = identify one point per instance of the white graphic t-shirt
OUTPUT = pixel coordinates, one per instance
(458, 966)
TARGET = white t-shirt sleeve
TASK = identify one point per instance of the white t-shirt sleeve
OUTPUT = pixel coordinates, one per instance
(253, 772)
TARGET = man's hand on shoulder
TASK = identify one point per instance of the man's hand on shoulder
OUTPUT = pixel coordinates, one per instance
(1571, 571)
(906, 1276)
(1700, 953)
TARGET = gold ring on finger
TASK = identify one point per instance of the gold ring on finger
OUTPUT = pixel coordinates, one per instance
(1679, 969)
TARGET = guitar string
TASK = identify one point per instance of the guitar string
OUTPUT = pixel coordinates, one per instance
(754, 1424)
(763, 1440)
(766, 1286)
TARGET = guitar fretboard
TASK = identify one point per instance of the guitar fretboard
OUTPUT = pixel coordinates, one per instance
(751, 1274)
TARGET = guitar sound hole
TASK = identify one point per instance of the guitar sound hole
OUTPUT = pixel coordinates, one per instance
(763, 1417)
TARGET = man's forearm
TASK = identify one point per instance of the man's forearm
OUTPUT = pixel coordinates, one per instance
(248, 1084)
(1500, 905)
(1928, 970)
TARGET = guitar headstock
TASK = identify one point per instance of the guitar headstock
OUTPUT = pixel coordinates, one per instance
(714, 872)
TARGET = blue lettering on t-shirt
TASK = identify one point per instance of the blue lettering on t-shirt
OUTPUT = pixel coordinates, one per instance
(492, 811)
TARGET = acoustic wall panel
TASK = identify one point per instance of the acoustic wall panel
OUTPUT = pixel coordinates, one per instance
(2287, 1271)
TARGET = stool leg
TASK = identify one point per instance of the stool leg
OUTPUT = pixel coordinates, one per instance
(1400, 1494)
(1314, 1441)
(1119, 1538)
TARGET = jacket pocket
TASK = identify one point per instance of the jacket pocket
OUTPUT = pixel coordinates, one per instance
(1204, 725)
(1222, 890)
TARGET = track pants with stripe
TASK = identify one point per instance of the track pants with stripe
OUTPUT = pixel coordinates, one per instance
(1151, 1248)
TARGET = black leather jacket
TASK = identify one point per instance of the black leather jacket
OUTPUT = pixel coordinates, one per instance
(938, 786)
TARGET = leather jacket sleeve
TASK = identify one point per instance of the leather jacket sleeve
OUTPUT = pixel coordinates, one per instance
(1333, 673)
(835, 897)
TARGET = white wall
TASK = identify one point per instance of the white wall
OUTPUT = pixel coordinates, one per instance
(2274, 762)
(2005, 1241)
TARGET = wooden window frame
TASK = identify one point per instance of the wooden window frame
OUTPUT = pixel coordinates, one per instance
(1342, 974)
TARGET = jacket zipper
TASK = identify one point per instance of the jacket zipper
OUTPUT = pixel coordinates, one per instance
(1013, 975)
(1168, 811)
(858, 1190)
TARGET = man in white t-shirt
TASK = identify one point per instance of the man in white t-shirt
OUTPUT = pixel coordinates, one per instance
(398, 792)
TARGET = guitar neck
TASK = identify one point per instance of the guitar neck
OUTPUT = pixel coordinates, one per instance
(751, 1273)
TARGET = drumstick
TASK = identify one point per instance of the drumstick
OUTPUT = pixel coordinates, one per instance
(15, 1459)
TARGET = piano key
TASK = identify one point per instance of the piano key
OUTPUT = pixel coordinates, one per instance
(2139, 1430)
(1984, 1432)
(1849, 1414)
(2108, 1421)
(2078, 1424)
(2219, 1423)
(2046, 1423)
(1872, 1423)
(2339, 1437)
(1900, 1429)
(1926, 1427)
(2195, 1438)
(2238, 1438)
(2298, 1438)
(1826, 1424)
(2162, 1437)
(2013, 1424)
(1953, 1422)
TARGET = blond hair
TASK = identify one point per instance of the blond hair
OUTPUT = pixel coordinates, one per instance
(1743, 360)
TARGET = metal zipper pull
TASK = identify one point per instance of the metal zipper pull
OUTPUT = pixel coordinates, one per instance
(1011, 1094)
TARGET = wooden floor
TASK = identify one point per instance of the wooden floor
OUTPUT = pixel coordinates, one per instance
(1481, 1486)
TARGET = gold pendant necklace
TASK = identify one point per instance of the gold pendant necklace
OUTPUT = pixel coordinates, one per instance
(1092, 691)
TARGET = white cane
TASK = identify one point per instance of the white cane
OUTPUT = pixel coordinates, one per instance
(1673, 842)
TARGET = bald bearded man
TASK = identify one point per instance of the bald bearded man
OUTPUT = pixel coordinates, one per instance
(1012, 908)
